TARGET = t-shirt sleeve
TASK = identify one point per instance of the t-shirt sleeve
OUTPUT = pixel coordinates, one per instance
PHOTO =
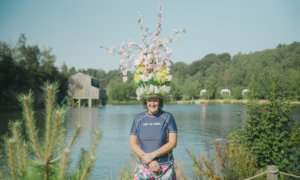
(134, 128)
(172, 125)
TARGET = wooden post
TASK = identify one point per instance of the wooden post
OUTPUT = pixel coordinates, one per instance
(78, 102)
(274, 174)
(90, 102)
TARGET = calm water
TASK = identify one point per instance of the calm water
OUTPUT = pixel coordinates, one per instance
(193, 127)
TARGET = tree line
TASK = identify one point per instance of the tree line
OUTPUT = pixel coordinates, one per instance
(24, 67)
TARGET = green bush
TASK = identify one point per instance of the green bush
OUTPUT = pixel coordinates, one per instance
(271, 132)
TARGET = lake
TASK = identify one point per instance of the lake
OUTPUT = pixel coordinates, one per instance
(194, 126)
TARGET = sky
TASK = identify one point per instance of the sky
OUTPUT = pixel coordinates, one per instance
(75, 29)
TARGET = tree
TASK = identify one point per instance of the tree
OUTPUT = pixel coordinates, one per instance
(45, 157)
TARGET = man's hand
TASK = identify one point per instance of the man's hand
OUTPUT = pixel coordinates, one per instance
(146, 158)
(154, 166)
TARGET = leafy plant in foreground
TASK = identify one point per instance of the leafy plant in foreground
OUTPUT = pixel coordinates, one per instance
(270, 132)
(45, 157)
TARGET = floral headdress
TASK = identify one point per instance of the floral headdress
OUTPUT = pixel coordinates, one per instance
(151, 76)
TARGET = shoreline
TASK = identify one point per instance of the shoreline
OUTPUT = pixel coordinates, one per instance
(197, 101)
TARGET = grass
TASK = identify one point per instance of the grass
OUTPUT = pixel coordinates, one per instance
(224, 160)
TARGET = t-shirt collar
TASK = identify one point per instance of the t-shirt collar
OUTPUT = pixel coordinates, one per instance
(153, 115)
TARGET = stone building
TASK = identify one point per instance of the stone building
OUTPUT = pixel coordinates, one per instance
(82, 86)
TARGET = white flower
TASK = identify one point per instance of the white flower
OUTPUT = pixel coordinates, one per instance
(100, 46)
(177, 38)
(175, 30)
(111, 50)
(138, 98)
(157, 91)
(131, 57)
(141, 22)
(168, 89)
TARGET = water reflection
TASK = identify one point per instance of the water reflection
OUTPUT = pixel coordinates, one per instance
(194, 125)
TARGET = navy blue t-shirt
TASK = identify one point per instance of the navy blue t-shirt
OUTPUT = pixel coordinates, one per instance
(152, 131)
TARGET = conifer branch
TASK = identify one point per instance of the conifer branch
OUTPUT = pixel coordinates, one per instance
(71, 143)
(84, 154)
(64, 164)
(46, 170)
(29, 118)
(12, 165)
(1, 174)
(54, 132)
(18, 145)
(95, 141)
(74, 137)
(49, 113)
(25, 155)
(57, 158)
(86, 171)
(62, 140)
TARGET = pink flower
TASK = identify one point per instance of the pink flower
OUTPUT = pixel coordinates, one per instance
(174, 177)
(124, 55)
(152, 178)
(160, 12)
(150, 38)
(124, 73)
(136, 177)
(160, 19)
(168, 64)
(169, 77)
(122, 61)
(165, 168)
(125, 79)
(146, 29)
(143, 170)
(168, 70)
(131, 43)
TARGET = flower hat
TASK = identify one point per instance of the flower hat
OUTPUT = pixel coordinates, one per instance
(152, 75)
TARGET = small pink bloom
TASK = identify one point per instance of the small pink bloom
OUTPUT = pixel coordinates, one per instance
(165, 168)
(146, 29)
(169, 77)
(125, 79)
(160, 12)
(174, 177)
(152, 178)
(122, 61)
(160, 19)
